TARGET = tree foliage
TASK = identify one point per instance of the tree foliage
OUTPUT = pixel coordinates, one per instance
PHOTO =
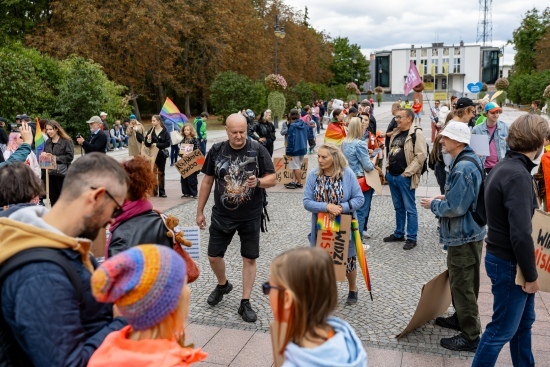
(343, 68)
(230, 93)
(527, 87)
(277, 104)
(526, 36)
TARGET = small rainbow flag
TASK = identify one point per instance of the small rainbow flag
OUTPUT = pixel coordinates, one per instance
(171, 112)
(39, 141)
(324, 223)
(335, 133)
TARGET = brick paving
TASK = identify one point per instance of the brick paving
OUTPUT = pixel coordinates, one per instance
(397, 278)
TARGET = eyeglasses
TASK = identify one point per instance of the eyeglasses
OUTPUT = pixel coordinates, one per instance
(398, 117)
(118, 209)
(266, 288)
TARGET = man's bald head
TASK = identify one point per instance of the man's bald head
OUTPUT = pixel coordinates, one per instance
(235, 126)
(235, 118)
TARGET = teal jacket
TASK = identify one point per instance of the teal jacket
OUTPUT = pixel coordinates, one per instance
(20, 155)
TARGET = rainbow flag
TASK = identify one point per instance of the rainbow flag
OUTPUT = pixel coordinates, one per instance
(39, 141)
(335, 133)
(171, 112)
(324, 223)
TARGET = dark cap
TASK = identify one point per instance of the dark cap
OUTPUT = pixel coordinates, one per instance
(352, 110)
(465, 102)
(24, 117)
(2, 119)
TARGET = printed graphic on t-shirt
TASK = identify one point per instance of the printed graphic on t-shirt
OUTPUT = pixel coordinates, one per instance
(234, 191)
(397, 144)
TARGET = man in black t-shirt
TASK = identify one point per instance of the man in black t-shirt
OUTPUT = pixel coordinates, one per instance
(240, 168)
(406, 156)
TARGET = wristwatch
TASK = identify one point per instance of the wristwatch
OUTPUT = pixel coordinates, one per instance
(258, 182)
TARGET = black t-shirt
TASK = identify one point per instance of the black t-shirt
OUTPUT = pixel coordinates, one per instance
(391, 126)
(397, 159)
(231, 168)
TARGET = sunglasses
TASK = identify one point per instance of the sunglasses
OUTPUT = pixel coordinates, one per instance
(266, 288)
(118, 209)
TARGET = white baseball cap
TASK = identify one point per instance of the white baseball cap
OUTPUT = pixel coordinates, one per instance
(102, 114)
(457, 131)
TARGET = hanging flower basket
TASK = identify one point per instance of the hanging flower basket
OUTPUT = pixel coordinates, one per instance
(419, 88)
(275, 82)
(379, 89)
(502, 84)
(352, 88)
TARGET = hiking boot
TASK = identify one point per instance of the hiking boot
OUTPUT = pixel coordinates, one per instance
(392, 238)
(290, 185)
(409, 244)
(246, 312)
(217, 294)
(460, 343)
(450, 322)
(352, 298)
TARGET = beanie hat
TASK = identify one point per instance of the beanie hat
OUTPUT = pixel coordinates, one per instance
(145, 282)
(132, 117)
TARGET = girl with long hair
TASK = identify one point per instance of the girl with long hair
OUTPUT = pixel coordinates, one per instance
(59, 145)
(190, 183)
(158, 136)
(302, 293)
(336, 129)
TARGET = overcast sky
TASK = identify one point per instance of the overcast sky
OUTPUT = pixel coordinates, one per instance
(388, 24)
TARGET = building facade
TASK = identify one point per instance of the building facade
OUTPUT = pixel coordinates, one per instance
(445, 70)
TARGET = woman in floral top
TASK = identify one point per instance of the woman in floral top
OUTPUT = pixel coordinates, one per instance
(190, 183)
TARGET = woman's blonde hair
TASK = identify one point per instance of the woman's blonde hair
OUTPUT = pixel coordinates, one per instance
(172, 327)
(307, 273)
(192, 129)
(339, 161)
(355, 129)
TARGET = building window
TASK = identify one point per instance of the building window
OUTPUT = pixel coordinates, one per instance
(457, 51)
(444, 83)
(423, 52)
(434, 51)
(446, 51)
(383, 78)
(489, 67)
(436, 66)
(456, 66)
(424, 65)
(413, 53)
(445, 66)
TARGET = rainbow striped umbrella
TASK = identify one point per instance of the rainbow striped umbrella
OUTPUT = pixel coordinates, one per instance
(361, 257)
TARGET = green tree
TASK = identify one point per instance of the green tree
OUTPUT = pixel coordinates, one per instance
(525, 37)
(527, 87)
(343, 68)
(20, 17)
(230, 92)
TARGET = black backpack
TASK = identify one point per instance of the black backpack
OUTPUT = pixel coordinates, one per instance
(11, 354)
(425, 165)
(479, 214)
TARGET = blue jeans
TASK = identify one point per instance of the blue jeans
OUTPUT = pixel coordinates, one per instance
(405, 206)
(116, 143)
(202, 147)
(364, 211)
(317, 123)
(513, 316)
(174, 151)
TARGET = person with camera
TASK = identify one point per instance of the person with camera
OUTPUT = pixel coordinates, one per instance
(134, 132)
(241, 169)
(97, 141)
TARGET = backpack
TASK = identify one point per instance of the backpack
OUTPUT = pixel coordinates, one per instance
(425, 165)
(11, 354)
(479, 214)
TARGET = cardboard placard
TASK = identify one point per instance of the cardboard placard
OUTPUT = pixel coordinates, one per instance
(149, 153)
(186, 148)
(278, 331)
(333, 236)
(190, 163)
(47, 161)
(435, 300)
(541, 238)
(283, 172)
(193, 234)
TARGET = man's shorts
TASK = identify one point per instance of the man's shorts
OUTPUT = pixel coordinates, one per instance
(418, 115)
(222, 231)
(296, 162)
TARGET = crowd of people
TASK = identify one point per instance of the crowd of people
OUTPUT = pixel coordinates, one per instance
(134, 305)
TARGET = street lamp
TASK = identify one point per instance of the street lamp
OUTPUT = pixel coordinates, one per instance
(380, 71)
(279, 33)
(353, 62)
(501, 57)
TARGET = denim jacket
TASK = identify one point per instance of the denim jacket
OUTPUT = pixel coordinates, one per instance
(500, 138)
(357, 154)
(458, 226)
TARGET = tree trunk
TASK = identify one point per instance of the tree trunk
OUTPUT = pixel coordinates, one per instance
(187, 104)
(135, 103)
(204, 102)
(161, 96)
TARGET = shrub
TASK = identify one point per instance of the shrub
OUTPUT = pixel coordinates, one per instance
(276, 102)
(230, 92)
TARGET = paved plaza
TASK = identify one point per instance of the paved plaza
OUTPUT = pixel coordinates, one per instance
(397, 279)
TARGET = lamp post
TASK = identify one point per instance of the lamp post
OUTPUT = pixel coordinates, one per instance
(353, 62)
(279, 33)
(501, 61)
(380, 71)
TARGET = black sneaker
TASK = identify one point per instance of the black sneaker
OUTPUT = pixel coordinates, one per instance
(460, 343)
(392, 238)
(246, 312)
(291, 185)
(217, 294)
(450, 322)
(352, 298)
(298, 186)
(409, 244)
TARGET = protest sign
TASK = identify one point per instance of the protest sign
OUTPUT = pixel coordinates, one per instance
(186, 148)
(541, 238)
(283, 172)
(47, 161)
(333, 236)
(190, 163)
(193, 234)
(150, 153)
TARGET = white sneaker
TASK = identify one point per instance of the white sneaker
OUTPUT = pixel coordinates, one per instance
(366, 247)
(443, 250)
(365, 234)
(116, 148)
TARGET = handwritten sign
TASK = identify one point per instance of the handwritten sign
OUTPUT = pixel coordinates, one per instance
(190, 163)
(150, 153)
(283, 172)
(336, 243)
(186, 148)
(193, 234)
(47, 161)
(541, 239)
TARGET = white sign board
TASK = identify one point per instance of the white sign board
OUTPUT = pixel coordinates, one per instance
(193, 234)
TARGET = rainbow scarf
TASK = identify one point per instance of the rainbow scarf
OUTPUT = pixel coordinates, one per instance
(39, 141)
(171, 112)
(335, 133)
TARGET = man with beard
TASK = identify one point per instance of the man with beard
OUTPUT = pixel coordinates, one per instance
(47, 307)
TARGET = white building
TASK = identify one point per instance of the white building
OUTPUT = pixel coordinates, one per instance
(445, 70)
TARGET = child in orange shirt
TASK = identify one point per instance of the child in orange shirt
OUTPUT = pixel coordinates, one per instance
(417, 109)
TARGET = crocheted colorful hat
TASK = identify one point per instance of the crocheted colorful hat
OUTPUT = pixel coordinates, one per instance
(145, 282)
